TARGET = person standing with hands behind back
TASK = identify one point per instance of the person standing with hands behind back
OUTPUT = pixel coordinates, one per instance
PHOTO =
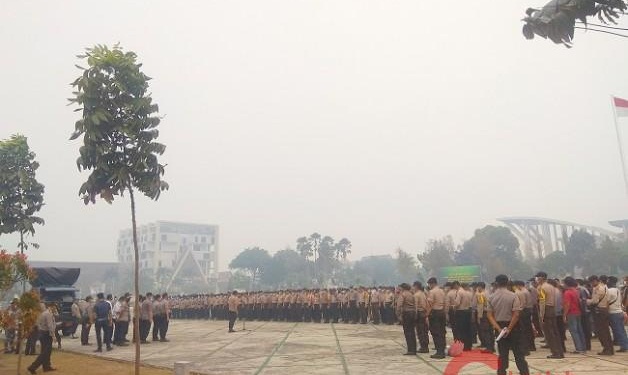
(233, 303)
(504, 309)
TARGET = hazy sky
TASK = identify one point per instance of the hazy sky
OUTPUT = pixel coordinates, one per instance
(387, 122)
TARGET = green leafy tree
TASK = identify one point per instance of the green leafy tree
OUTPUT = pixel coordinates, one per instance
(304, 247)
(556, 264)
(342, 249)
(21, 195)
(287, 269)
(118, 128)
(253, 260)
(496, 250)
(606, 259)
(406, 266)
(579, 248)
(376, 270)
(438, 253)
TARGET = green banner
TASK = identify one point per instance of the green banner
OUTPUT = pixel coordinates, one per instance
(463, 274)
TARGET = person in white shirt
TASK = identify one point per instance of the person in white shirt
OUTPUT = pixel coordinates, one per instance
(616, 315)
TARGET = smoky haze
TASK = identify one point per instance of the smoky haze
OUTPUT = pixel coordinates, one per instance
(386, 122)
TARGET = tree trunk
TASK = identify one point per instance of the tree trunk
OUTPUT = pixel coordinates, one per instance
(136, 282)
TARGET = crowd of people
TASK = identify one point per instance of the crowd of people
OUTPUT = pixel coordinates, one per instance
(506, 313)
(514, 311)
(109, 316)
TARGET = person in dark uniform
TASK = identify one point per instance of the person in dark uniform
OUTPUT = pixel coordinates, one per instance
(504, 309)
(406, 310)
(437, 318)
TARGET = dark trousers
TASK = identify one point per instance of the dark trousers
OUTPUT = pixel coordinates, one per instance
(437, 329)
(562, 330)
(232, 318)
(375, 313)
(451, 316)
(526, 328)
(487, 337)
(511, 342)
(536, 321)
(165, 323)
(463, 326)
(102, 330)
(363, 313)
(144, 329)
(157, 325)
(408, 320)
(602, 329)
(552, 338)
(31, 342)
(353, 309)
(121, 329)
(43, 359)
(85, 328)
(421, 331)
(586, 329)
(334, 312)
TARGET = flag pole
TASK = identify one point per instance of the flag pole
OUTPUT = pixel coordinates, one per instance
(621, 149)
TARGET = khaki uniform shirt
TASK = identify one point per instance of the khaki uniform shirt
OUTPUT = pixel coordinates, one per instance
(436, 298)
(234, 303)
(502, 303)
(421, 300)
(463, 299)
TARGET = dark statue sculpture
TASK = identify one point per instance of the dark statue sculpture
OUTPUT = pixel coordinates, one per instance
(557, 19)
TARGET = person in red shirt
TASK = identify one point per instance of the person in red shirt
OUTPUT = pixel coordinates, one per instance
(571, 314)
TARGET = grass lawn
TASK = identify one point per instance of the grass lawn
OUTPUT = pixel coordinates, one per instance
(76, 364)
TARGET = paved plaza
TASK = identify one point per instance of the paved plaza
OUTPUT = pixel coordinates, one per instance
(309, 348)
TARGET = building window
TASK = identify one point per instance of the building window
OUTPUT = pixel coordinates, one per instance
(205, 256)
(203, 239)
(197, 247)
(160, 264)
(164, 237)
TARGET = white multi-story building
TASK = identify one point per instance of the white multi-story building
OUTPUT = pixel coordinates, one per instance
(180, 247)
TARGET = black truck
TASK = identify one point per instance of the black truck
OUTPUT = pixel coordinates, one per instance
(57, 285)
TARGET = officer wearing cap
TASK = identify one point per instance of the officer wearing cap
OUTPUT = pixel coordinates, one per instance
(504, 309)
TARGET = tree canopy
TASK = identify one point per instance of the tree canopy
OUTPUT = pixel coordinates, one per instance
(21, 195)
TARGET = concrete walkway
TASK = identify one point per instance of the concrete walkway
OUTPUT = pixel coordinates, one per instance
(309, 348)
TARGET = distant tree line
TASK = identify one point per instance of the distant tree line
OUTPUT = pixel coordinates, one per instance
(319, 261)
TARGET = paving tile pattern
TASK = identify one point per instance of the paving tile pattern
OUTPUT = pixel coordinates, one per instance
(310, 348)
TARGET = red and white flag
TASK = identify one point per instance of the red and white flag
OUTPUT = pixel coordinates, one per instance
(621, 107)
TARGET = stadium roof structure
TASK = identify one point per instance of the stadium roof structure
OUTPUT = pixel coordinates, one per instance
(540, 237)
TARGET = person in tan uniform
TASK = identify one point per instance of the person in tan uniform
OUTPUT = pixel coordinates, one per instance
(233, 304)
(47, 328)
(421, 320)
(462, 305)
(406, 313)
(450, 307)
(376, 305)
(486, 333)
(437, 318)
(547, 312)
(601, 318)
